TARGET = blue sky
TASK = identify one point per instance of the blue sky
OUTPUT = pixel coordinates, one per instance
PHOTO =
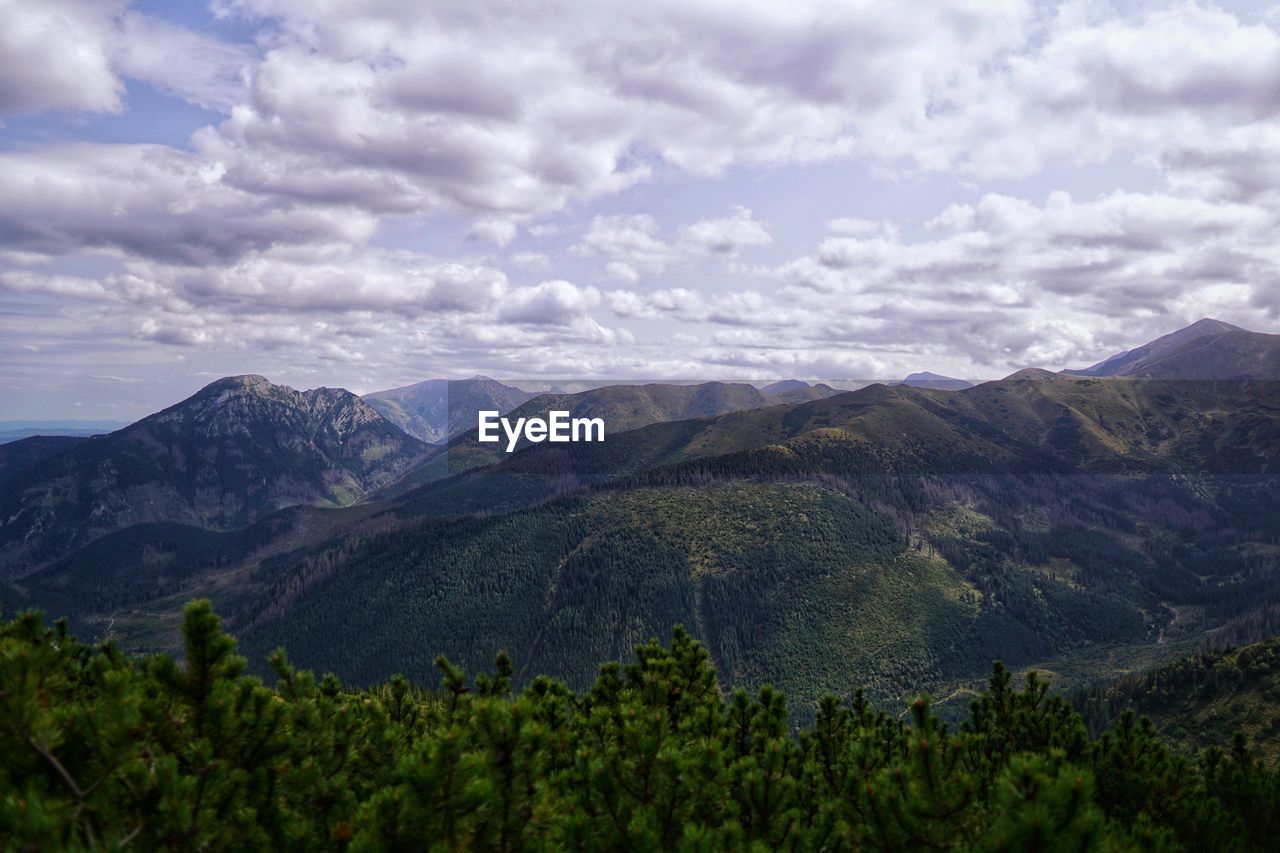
(365, 194)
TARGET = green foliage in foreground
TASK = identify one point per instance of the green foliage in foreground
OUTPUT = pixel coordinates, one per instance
(100, 750)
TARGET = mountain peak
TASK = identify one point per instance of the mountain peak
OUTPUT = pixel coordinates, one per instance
(1210, 325)
(785, 386)
(935, 381)
(1033, 374)
(1207, 349)
(242, 382)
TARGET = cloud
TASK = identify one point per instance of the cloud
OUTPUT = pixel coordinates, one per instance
(726, 236)
(74, 55)
(55, 57)
(1010, 282)
(151, 201)
(1101, 84)
(633, 246)
(533, 126)
(554, 303)
(422, 107)
(531, 261)
(630, 244)
(499, 232)
(204, 71)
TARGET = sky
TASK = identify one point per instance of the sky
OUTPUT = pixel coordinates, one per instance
(368, 193)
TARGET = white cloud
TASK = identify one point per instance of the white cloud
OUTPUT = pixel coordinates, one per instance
(207, 72)
(555, 303)
(263, 237)
(499, 232)
(74, 55)
(531, 261)
(631, 245)
(727, 236)
(54, 56)
(151, 201)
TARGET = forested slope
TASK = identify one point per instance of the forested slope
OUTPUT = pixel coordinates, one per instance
(1204, 700)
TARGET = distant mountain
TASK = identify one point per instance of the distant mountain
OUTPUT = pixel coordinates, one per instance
(1207, 349)
(236, 450)
(15, 430)
(627, 407)
(438, 409)
(937, 381)
(622, 407)
(785, 386)
(798, 391)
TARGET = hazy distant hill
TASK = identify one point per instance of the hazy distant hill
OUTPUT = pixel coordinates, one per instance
(15, 430)
(798, 391)
(1207, 349)
(438, 409)
(239, 448)
(626, 407)
(934, 380)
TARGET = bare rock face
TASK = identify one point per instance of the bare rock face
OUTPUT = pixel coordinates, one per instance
(238, 449)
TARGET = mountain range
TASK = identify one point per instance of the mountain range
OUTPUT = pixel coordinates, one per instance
(1088, 522)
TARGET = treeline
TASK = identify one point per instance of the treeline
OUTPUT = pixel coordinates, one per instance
(101, 750)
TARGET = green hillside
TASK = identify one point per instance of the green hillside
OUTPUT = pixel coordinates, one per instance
(795, 584)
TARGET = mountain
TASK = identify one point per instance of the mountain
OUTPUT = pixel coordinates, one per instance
(438, 409)
(627, 407)
(797, 391)
(1207, 349)
(239, 448)
(934, 380)
(15, 430)
(785, 386)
